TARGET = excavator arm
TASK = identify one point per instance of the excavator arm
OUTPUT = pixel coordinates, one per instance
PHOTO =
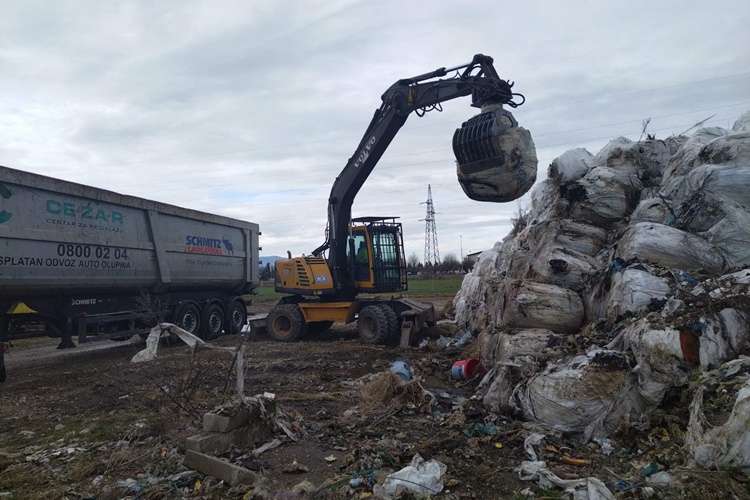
(418, 94)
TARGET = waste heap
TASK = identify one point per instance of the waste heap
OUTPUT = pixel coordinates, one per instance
(628, 276)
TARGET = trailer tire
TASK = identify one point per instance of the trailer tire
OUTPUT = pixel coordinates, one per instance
(390, 315)
(285, 323)
(372, 325)
(188, 318)
(236, 317)
(317, 327)
(213, 322)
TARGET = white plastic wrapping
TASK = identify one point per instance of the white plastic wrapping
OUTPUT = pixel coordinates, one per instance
(537, 305)
(723, 394)
(570, 166)
(603, 196)
(669, 247)
(633, 289)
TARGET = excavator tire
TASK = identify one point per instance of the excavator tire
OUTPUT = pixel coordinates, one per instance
(390, 315)
(372, 325)
(285, 323)
(316, 327)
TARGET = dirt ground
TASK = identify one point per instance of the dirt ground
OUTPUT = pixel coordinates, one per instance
(87, 423)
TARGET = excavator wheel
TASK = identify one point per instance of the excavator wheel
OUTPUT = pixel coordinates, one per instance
(285, 323)
(390, 315)
(372, 325)
(316, 327)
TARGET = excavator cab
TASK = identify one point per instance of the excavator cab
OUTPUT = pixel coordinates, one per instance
(375, 258)
(376, 254)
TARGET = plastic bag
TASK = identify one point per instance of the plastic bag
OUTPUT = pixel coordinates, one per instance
(420, 476)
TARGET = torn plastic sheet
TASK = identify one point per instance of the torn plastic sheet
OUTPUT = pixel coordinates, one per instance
(514, 357)
(592, 394)
(589, 488)
(152, 346)
(718, 434)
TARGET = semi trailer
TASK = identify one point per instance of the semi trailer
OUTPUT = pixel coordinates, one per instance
(78, 261)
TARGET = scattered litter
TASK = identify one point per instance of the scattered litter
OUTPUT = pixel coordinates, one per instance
(296, 468)
(419, 476)
(275, 443)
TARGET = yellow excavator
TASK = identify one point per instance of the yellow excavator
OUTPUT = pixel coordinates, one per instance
(365, 255)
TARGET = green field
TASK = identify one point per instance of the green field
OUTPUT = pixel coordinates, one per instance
(438, 286)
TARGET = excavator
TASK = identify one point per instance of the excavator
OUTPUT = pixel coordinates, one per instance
(365, 255)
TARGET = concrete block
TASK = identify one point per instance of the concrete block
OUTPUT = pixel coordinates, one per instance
(218, 468)
(246, 437)
(225, 423)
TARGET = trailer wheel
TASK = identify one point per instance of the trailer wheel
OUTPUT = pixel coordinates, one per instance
(372, 325)
(316, 327)
(236, 318)
(189, 318)
(285, 323)
(390, 315)
(213, 322)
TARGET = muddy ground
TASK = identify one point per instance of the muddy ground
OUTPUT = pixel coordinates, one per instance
(87, 423)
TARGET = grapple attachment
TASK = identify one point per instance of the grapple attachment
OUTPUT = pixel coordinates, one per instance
(496, 159)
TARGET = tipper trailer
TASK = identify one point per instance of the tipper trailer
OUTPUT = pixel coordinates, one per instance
(80, 261)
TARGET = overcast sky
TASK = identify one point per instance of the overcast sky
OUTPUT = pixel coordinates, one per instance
(251, 109)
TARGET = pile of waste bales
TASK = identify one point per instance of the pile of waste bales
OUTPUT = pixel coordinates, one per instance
(627, 280)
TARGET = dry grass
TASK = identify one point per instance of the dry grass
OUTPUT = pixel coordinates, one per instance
(388, 394)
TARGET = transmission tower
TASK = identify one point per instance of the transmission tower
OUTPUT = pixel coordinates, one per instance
(431, 252)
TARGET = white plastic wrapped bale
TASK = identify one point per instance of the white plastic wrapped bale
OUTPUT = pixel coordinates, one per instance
(613, 145)
(562, 267)
(718, 435)
(545, 202)
(743, 123)
(570, 166)
(686, 157)
(651, 210)
(502, 346)
(730, 181)
(658, 352)
(603, 196)
(669, 247)
(733, 148)
(720, 221)
(724, 335)
(514, 357)
(477, 303)
(502, 178)
(569, 234)
(538, 305)
(593, 394)
(650, 156)
(633, 289)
